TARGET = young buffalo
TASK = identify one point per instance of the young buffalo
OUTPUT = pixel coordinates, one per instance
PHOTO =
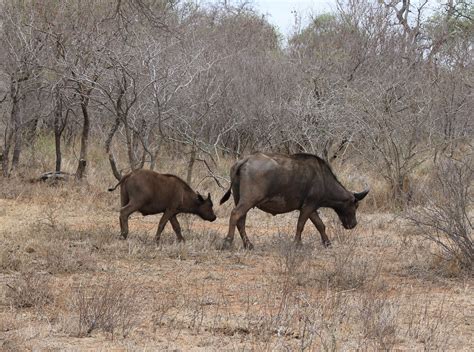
(151, 193)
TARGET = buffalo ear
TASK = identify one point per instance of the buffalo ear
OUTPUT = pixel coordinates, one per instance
(361, 195)
(200, 198)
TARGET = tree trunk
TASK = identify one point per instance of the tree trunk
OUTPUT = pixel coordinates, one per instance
(113, 165)
(153, 159)
(6, 153)
(130, 150)
(18, 143)
(81, 167)
(13, 128)
(108, 144)
(57, 144)
(192, 160)
(58, 127)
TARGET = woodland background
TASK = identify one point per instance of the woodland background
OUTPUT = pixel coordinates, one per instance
(387, 82)
(383, 90)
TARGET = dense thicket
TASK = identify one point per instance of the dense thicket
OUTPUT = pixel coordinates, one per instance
(391, 81)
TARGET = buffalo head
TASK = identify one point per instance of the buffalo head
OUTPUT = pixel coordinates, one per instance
(204, 207)
(346, 210)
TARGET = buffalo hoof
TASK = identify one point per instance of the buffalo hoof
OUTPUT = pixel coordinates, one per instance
(123, 237)
(226, 244)
(248, 246)
(327, 244)
(298, 244)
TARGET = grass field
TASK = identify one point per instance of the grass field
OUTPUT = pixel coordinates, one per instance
(67, 282)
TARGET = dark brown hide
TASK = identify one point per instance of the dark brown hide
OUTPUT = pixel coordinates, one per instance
(151, 193)
(277, 184)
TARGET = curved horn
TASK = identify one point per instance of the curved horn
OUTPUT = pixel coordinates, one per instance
(361, 195)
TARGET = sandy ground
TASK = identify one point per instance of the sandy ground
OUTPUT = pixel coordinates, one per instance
(375, 289)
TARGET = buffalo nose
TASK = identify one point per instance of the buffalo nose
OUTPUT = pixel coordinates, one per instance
(350, 226)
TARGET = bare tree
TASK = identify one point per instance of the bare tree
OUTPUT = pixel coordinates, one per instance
(386, 82)
(445, 217)
(20, 62)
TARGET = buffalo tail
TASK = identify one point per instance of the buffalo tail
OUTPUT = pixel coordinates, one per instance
(226, 196)
(111, 189)
(233, 174)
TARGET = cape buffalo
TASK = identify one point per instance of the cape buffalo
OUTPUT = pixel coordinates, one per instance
(151, 193)
(277, 184)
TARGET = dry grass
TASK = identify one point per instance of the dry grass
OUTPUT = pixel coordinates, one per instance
(68, 281)
(445, 218)
(28, 290)
(111, 306)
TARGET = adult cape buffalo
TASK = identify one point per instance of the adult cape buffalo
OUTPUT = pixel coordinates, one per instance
(150, 193)
(277, 184)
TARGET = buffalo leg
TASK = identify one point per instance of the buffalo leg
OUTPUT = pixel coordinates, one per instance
(124, 199)
(125, 213)
(318, 223)
(161, 226)
(304, 215)
(243, 234)
(237, 213)
(177, 229)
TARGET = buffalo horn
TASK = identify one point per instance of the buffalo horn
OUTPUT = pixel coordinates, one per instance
(361, 195)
